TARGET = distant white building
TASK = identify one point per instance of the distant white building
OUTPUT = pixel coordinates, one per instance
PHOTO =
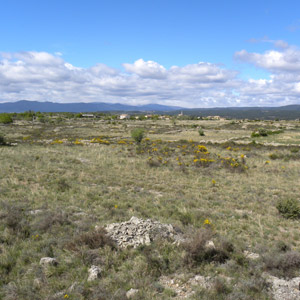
(88, 116)
(124, 117)
(215, 118)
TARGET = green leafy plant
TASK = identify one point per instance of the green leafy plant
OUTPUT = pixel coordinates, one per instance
(138, 135)
(289, 208)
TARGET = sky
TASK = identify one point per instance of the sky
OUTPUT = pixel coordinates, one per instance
(186, 53)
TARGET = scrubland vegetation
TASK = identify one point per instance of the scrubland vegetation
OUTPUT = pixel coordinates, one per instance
(234, 183)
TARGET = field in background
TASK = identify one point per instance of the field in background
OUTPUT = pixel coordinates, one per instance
(59, 180)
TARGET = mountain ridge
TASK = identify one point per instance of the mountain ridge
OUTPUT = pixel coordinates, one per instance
(281, 112)
(25, 105)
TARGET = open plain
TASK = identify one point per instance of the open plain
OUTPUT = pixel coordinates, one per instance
(222, 209)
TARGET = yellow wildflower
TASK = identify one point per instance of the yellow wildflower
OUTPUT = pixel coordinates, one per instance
(207, 222)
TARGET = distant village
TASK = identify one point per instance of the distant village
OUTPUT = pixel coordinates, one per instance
(153, 116)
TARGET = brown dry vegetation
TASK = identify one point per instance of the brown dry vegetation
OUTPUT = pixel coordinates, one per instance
(59, 180)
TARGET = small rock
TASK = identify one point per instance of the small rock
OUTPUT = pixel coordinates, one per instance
(35, 212)
(134, 220)
(210, 245)
(131, 293)
(37, 283)
(73, 287)
(48, 261)
(94, 273)
(251, 255)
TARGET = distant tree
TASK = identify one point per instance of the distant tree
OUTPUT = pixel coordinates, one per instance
(5, 118)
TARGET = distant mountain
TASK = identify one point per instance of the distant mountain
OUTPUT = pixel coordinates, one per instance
(24, 105)
(288, 112)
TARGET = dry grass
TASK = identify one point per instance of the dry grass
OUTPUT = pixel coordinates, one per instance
(54, 194)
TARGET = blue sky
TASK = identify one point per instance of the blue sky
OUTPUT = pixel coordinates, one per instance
(150, 36)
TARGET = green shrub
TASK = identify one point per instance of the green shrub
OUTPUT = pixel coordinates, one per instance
(201, 132)
(289, 208)
(264, 132)
(138, 134)
(2, 140)
(294, 150)
(5, 118)
(274, 156)
(259, 132)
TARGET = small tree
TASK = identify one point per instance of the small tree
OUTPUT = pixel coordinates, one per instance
(137, 134)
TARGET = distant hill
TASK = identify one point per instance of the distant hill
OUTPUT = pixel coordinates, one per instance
(288, 112)
(23, 105)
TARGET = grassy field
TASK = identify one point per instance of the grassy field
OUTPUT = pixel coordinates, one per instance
(59, 180)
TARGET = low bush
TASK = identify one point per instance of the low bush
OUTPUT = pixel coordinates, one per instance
(46, 220)
(138, 135)
(289, 208)
(14, 217)
(201, 132)
(2, 140)
(294, 150)
(264, 132)
(274, 156)
(259, 132)
(93, 240)
(282, 264)
(198, 251)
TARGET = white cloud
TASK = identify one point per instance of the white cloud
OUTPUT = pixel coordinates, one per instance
(284, 85)
(146, 69)
(46, 77)
(287, 60)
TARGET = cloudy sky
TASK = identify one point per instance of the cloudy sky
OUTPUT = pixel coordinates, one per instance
(192, 53)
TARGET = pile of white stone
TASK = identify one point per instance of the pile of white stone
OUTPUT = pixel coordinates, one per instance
(284, 289)
(136, 232)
